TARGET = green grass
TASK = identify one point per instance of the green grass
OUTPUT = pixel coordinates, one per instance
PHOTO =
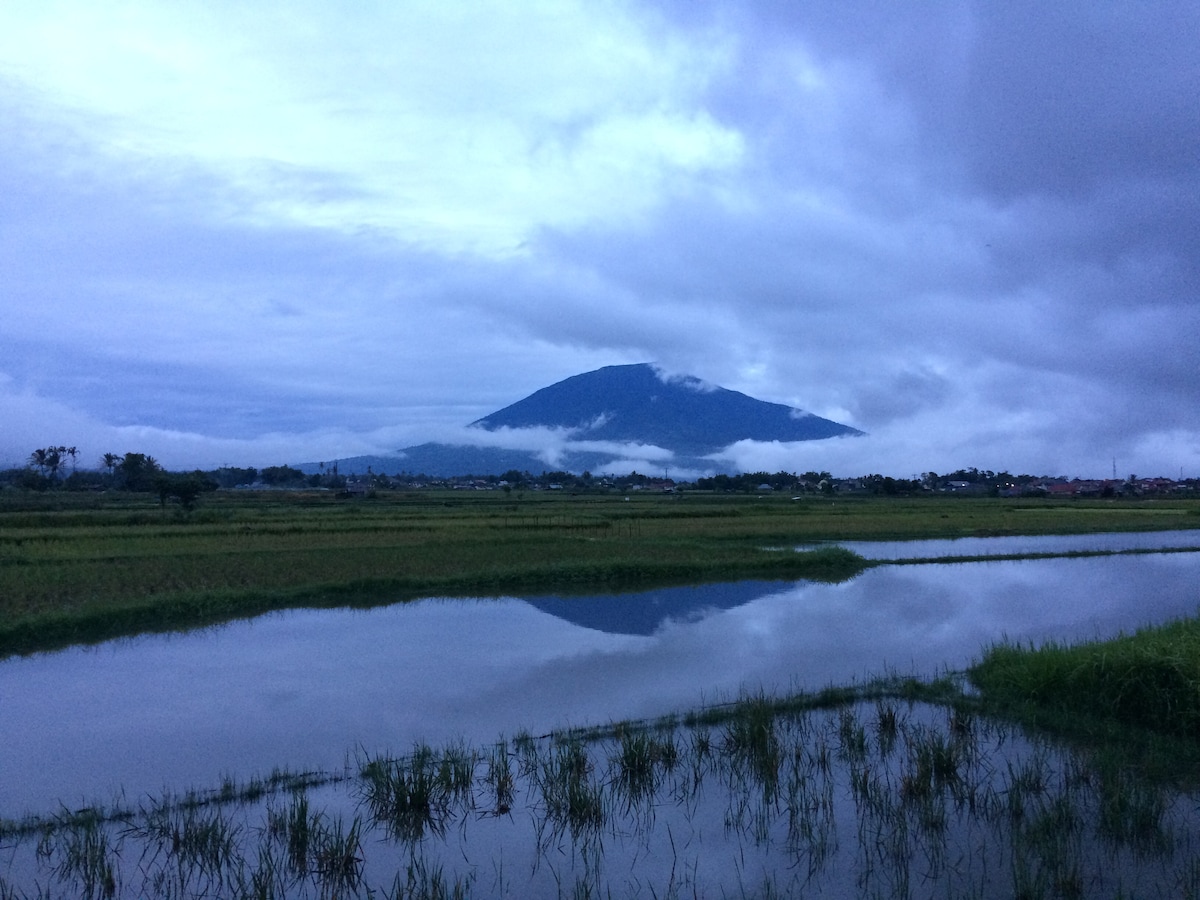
(1150, 679)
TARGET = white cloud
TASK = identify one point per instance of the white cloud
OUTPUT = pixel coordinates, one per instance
(699, 385)
(456, 129)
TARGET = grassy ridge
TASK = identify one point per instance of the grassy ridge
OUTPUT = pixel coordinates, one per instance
(77, 568)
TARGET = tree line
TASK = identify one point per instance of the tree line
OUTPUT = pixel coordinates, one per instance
(56, 467)
(46, 470)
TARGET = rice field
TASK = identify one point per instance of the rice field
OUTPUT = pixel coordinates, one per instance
(80, 568)
(1057, 772)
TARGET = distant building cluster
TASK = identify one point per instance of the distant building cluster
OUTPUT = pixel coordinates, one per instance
(1142, 487)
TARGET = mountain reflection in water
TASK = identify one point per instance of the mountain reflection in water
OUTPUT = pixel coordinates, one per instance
(647, 611)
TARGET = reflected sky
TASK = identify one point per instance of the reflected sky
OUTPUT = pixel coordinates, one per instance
(1019, 544)
(305, 689)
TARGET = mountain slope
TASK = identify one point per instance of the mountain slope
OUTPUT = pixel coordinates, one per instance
(623, 409)
(634, 403)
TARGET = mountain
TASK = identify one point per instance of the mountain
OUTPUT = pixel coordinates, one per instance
(604, 420)
(636, 404)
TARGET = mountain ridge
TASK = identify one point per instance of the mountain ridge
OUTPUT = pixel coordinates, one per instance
(611, 420)
(636, 403)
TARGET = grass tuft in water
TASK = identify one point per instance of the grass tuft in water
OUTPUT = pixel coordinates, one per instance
(571, 796)
(500, 779)
(750, 742)
(422, 881)
(418, 794)
(641, 761)
(81, 853)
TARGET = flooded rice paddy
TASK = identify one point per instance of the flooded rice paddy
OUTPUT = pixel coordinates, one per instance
(888, 799)
(1021, 545)
(883, 799)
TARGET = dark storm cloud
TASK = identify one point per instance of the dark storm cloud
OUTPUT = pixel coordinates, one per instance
(1007, 194)
(1066, 99)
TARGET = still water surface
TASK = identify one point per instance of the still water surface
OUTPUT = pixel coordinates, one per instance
(306, 689)
(1022, 544)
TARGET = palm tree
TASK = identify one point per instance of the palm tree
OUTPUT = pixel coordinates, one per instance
(38, 458)
(110, 461)
(54, 460)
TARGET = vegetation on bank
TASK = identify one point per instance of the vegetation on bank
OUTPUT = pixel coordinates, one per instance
(1149, 681)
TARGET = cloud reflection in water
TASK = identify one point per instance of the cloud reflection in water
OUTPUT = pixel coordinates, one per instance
(304, 688)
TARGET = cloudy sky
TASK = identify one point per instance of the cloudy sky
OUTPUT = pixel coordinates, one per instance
(255, 233)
